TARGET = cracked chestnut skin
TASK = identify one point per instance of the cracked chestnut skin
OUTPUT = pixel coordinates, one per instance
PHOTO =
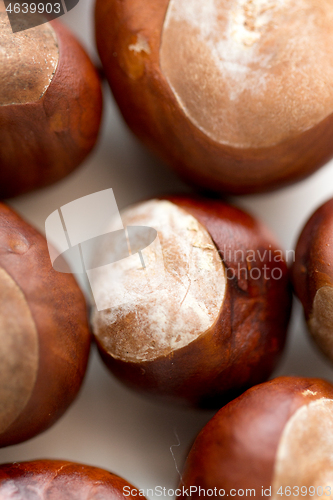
(151, 110)
(312, 275)
(55, 322)
(59, 479)
(43, 141)
(237, 449)
(244, 344)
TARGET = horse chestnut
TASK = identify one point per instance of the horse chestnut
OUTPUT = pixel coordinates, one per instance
(50, 105)
(195, 323)
(57, 479)
(313, 275)
(274, 441)
(44, 333)
(235, 95)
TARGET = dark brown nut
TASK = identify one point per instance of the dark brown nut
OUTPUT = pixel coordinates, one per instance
(50, 105)
(215, 324)
(275, 438)
(233, 95)
(44, 333)
(60, 480)
(313, 276)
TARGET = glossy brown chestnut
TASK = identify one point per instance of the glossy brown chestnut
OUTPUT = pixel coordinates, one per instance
(207, 317)
(50, 105)
(272, 441)
(313, 275)
(234, 95)
(60, 480)
(44, 333)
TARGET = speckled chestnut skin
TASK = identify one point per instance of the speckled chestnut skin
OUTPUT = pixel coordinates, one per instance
(277, 434)
(44, 333)
(44, 139)
(58, 479)
(313, 275)
(240, 344)
(222, 91)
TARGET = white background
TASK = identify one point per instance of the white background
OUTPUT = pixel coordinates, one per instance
(108, 425)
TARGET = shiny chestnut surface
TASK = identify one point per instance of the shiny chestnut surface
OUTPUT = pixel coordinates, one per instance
(234, 95)
(215, 324)
(313, 276)
(59, 479)
(50, 106)
(44, 333)
(276, 437)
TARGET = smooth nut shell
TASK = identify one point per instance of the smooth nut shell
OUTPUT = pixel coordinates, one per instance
(130, 53)
(244, 344)
(59, 479)
(44, 140)
(28, 59)
(46, 308)
(237, 449)
(313, 275)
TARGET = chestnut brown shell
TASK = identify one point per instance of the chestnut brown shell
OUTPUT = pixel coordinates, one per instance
(246, 340)
(313, 275)
(237, 449)
(60, 479)
(45, 336)
(43, 141)
(129, 38)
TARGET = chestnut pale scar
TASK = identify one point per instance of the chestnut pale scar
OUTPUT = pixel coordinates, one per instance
(321, 319)
(182, 307)
(19, 351)
(250, 73)
(304, 456)
(28, 60)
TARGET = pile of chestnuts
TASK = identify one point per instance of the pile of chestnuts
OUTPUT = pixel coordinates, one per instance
(192, 296)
